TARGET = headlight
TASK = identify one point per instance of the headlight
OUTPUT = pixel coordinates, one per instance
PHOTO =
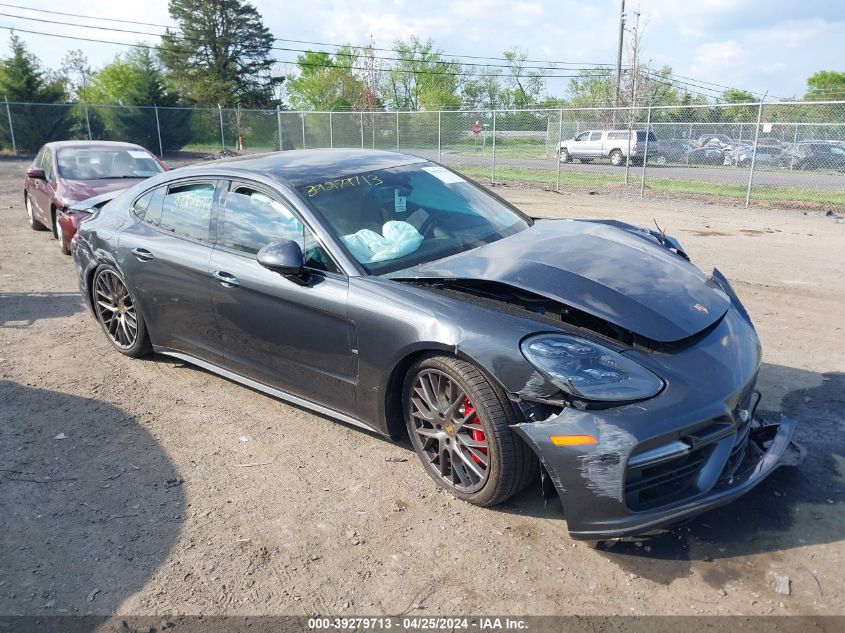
(588, 370)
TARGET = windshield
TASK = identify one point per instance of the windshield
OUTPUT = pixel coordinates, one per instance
(399, 217)
(96, 163)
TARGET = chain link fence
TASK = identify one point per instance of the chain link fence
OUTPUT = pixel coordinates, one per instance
(784, 154)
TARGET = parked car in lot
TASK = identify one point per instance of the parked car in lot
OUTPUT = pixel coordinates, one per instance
(391, 293)
(64, 173)
(816, 155)
(675, 150)
(723, 139)
(616, 145)
(741, 156)
(711, 154)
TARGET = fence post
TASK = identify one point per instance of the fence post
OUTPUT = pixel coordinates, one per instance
(754, 155)
(222, 135)
(439, 142)
(557, 149)
(645, 156)
(279, 125)
(158, 132)
(302, 117)
(794, 141)
(87, 120)
(493, 172)
(331, 132)
(362, 130)
(11, 129)
(397, 130)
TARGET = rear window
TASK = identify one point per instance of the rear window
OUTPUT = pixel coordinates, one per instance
(641, 136)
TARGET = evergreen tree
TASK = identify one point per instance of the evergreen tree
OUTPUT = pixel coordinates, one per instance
(137, 79)
(221, 53)
(22, 80)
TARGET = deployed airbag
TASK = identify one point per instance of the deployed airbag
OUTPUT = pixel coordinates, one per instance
(397, 240)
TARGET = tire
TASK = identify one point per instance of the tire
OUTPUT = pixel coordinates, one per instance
(34, 224)
(616, 158)
(487, 416)
(58, 234)
(564, 156)
(115, 309)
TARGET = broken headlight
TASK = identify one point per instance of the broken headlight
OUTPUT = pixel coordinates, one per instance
(588, 370)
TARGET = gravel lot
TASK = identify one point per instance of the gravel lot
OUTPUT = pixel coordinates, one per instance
(174, 491)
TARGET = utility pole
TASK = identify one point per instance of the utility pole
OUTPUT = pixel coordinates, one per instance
(618, 83)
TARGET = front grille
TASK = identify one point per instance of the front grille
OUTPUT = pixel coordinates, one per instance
(656, 485)
(651, 485)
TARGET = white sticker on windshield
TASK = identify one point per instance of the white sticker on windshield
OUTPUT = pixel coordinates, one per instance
(400, 203)
(134, 153)
(443, 174)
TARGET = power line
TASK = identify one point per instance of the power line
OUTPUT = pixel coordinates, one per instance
(277, 39)
(299, 63)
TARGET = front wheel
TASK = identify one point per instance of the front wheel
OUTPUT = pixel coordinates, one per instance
(59, 234)
(564, 156)
(34, 224)
(459, 424)
(118, 314)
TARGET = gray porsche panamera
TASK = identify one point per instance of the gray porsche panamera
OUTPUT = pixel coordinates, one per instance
(389, 292)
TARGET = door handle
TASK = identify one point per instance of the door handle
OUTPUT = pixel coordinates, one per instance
(225, 279)
(143, 254)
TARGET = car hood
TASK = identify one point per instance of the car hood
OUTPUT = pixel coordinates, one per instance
(79, 190)
(623, 276)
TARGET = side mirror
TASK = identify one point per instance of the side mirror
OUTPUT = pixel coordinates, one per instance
(284, 257)
(37, 173)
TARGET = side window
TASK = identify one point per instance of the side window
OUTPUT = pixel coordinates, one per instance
(47, 163)
(252, 219)
(186, 210)
(142, 204)
(582, 136)
(595, 136)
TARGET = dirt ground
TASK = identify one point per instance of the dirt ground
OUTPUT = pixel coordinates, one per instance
(151, 487)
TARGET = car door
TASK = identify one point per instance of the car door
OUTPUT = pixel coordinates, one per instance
(579, 144)
(593, 147)
(165, 257)
(42, 190)
(297, 338)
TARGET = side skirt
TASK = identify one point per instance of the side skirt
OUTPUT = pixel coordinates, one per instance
(270, 391)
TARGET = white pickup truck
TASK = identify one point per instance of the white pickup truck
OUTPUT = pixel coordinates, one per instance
(617, 145)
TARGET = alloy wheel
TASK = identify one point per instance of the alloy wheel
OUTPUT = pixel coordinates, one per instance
(28, 204)
(116, 309)
(449, 432)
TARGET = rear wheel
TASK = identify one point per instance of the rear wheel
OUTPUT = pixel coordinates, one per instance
(34, 224)
(117, 313)
(459, 424)
(616, 158)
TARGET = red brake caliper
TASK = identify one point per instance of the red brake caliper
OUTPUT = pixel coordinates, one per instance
(475, 433)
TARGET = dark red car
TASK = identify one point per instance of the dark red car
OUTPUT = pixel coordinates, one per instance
(66, 172)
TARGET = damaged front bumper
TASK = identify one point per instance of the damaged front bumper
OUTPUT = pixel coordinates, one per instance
(602, 492)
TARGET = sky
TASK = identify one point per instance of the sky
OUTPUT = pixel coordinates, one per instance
(756, 45)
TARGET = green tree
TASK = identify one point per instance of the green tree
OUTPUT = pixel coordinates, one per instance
(484, 90)
(137, 81)
(23, 80)
(220, 54)
(525, 84)
(826, 85)
(327, 82)
(422, 79)
(592, 87)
